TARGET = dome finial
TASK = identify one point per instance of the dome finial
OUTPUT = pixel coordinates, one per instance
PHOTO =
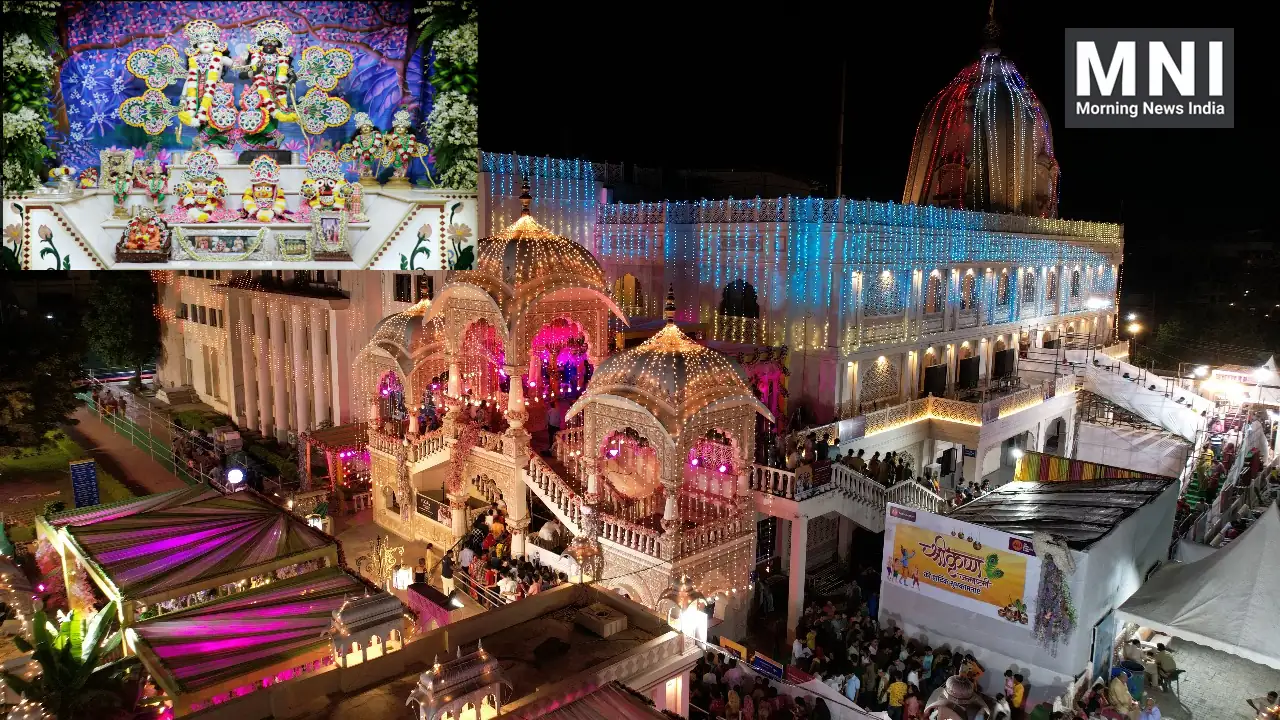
(525, 197)
(669, 310)
(991, 32)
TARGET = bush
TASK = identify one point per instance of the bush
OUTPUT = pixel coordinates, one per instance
(21, 533)
(199, 420)
(287, 469)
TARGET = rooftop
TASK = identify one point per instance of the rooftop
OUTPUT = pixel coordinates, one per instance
(186, 537)
(528, 669)
(1081, 512)
(234, 636)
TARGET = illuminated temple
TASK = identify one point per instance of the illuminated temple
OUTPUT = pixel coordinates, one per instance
(627, 369)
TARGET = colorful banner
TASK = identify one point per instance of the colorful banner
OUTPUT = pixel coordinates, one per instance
(1040, 467)
(734, 649)
(970, 566)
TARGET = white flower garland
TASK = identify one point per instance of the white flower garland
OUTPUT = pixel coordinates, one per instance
(23, 122)
(20, 54)
(456, 121)
(460, 44)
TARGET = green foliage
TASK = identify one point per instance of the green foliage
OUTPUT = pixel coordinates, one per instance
(38, 366)
(74, 681)
(121, 325)
(28, 31)
(446, 15)
(200, 420)
(287, 468)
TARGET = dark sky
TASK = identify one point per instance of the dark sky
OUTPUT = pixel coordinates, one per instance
(757, 86)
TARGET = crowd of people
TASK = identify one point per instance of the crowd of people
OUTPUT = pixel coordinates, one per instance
(492, 575)
(719, 688)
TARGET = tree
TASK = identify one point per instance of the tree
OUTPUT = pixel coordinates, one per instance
(39, 364)
(121, 324)
(74, 682)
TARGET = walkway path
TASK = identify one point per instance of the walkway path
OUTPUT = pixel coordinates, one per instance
(131, 466)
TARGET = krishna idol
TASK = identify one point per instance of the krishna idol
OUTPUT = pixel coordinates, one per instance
(206, 62)
(264, 198)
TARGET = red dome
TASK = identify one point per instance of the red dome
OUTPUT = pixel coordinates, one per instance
(984, 143)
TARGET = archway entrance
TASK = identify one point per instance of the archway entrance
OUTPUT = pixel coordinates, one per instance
(1056, 437)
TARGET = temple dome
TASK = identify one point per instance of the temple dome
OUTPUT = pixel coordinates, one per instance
(984, 143)
(673, 377)
(527, 259)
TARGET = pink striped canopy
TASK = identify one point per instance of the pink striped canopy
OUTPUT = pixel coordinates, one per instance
(239, 635)
(192, 537)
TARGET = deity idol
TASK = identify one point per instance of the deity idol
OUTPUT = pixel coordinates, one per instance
(266, 101)
(366, 148)
(264, 198)
(201, 192)
(119, 182)
(324, 186)
(155, 179)
(400, 148)
(205, 65)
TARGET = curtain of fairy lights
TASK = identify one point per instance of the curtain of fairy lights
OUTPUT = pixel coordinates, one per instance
(482, 362)
(564, 192)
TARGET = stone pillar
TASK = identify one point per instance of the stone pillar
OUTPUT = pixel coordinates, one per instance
(297, 326)
(281, 411)
(795, 573)
(845, 543)
(261, 358)
(339, 368)
(515, 441)
(518, 515)
(319, 332)
(670, 518)
(248, 362)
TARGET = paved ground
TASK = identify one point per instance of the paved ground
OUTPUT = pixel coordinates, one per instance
(133, 467)
(1214, 686)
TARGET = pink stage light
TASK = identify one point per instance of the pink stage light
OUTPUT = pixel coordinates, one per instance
(40, 587)
(694, 462)
(613, 452)
(723, 468)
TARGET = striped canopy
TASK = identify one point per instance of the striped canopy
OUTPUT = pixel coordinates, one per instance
(191, 537)
(233, 637)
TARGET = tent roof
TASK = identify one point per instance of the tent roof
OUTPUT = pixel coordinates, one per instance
(1080, 512)
(233, 636)
(1226, 601)
(189, 537)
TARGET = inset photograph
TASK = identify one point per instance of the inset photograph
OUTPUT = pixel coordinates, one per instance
(333, 134)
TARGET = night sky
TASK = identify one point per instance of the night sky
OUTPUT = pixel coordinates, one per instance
(702, 85)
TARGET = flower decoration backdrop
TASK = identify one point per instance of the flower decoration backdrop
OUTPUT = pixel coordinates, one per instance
(387, 70)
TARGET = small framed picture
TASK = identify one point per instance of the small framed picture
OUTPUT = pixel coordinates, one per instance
(215, 244)
(329, 235)
(112, 163)
(293, 246)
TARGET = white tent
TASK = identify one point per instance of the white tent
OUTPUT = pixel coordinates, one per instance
(1226, 601)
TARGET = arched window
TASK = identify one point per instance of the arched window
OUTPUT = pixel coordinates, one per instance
(628, 294)
(738, 299)
(1075, 283)
(1029, 285)
(968, 291)
(1003, 287)
(933, 296)
(1051, 286)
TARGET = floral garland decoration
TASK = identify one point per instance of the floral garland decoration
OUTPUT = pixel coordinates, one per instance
(1055, 613)
(452, 127)
(468, 437)
(26, 71)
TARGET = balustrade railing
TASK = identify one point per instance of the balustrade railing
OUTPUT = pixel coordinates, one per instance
(490, 441)
(955, 410)
(383, 442)
(630, 535)
(913, 494)
(568, 450)
(557, 491)
(774, 481)
(1066, 384)
(695, 540)
(933, 323)
(855, 485)
(967, 319)
(898, 415)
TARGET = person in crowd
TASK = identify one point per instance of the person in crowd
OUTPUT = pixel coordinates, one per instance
(446, 573)
(913, 707)
(1019, 694)
(420, 572)
(1259, 704)
(1001, 709)
(873, 467)
(848, 460)
(859, 463)
(1166, 666)
(1132, 651)
(1149, 710)
(897, 695)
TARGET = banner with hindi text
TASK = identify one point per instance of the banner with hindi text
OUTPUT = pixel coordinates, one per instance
(969, 566)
